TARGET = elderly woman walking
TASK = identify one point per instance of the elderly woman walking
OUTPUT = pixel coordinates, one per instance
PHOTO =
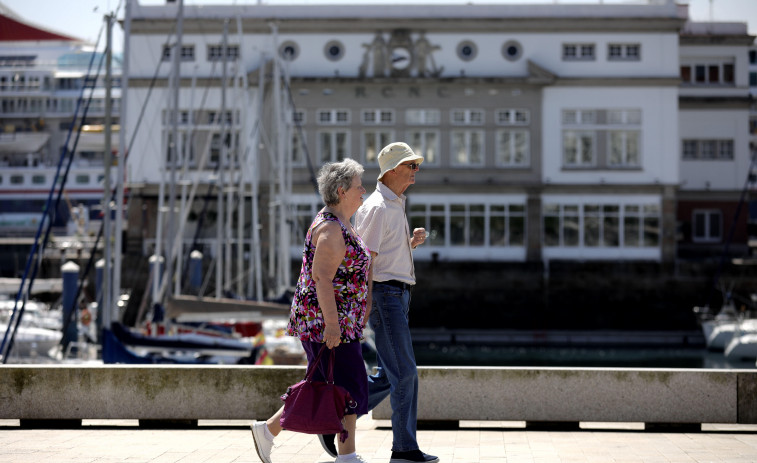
(332, 300)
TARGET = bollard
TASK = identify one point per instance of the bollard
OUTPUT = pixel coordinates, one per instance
(70, 272)
(195, 270)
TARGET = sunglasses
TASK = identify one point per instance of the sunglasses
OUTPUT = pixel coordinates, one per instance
(413, 166)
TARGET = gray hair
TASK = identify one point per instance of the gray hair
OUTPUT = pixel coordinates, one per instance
(334, 175)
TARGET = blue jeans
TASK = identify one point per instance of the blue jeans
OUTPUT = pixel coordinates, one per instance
(397, 375)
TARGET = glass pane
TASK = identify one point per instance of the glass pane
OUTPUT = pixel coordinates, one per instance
(517, 231)
(457, 208)
(477, 230)
(551, 231)
(700, 225)
(632, 149)
(457, 231)
(714, 225)
(476, 148)
(521, 148)
(631, 232)
(341, 144)
(610, 232)
(436, 225)
(591, 231)
(616, 148)
(371, 151)
(587, 149)
(713, 74)
(651, 231)
(417, 222)
(430, 152)
(459, 155)
(325, 148)
(503, 148)
(570, 230)
(570, 148)
(497, 231)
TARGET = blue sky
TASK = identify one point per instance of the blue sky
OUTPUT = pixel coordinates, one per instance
(84, 18)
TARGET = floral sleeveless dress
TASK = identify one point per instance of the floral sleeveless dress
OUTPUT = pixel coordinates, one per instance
(350, 289)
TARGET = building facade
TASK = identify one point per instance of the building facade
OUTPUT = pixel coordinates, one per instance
(557, 132)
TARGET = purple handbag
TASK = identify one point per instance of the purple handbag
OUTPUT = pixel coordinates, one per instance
(316, 407)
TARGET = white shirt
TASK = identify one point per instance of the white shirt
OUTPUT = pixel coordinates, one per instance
(382, 225)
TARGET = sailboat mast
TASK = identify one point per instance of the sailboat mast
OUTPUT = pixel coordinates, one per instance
(173, 147)
(107, 297)
(120, 178)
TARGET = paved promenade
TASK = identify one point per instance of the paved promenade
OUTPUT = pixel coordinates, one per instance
(507, 442)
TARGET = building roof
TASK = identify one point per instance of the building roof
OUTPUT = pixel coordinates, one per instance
(13, 28)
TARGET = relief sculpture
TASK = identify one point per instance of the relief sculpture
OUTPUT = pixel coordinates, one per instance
(400, 56)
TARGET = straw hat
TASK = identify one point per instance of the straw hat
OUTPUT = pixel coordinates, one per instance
(395, 154)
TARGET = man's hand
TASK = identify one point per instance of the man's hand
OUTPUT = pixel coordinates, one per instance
(419, 237)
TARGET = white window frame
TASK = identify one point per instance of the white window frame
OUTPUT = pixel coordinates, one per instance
(377, 117)
(580, 136)
(423, 116)
(513, 116)
(625, 156)
(333, 117)
(417, 138)
(626, 52)
(583, 52)
(501, 151)
(468, 136)
(463, 116)
(333, 154)
(707, 214)
(381, 137)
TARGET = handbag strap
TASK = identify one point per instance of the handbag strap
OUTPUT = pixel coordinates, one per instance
(317, 362)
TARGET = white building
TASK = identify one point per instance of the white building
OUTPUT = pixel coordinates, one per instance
(550, 131)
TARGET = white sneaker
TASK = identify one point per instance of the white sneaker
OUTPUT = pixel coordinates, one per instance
(262, 445)
(355, 459)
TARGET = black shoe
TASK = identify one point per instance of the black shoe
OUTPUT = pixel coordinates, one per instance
(328, 442)
(413, 456)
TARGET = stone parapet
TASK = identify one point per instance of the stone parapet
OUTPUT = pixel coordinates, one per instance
(149, 392)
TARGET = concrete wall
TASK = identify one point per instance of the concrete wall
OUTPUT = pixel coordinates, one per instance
(447, 393)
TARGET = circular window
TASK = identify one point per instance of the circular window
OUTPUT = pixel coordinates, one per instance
(289, 51)
(467, 50)
(334, 50)
(512, 50)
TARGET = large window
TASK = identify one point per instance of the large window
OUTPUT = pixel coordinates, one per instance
(513, 148)
(623, 52)
(425, 142)
(333, 116)
(696, 150)
(332, 145)
(467, 147)
(215, 52)
(475, 222)
(373, 141)
(601, 138)
(588, 224)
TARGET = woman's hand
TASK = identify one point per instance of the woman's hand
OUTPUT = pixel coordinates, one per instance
(332, 335)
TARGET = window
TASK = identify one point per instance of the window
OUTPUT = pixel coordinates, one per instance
(377, 117)
(425, 143)
(289, 51)
(471, 222)
(82, 179)
(17, 179)
(297, 149)
(38, 179)
(467, 50)
(513, 148)
(707, 73)
(706, 226)
(467, 117)
(467, 147)
(215, 52)
(623, 52)
(332, 145)
(601, 138)
(333, 116)
(513, 116)
(187, 52)
(334, 50)
(512, 50)
(423, 116)
(578, 52)
(753, 79)
(373, 141)
(698, 150)
(601, 225)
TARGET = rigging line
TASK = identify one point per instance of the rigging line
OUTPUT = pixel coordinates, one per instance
(31, 261)
(303, 141)
(723, 256)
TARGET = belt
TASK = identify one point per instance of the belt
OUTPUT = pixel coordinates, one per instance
(396, 283)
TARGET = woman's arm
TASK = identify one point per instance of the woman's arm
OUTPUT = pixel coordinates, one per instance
(369, 297)
(329, 254)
